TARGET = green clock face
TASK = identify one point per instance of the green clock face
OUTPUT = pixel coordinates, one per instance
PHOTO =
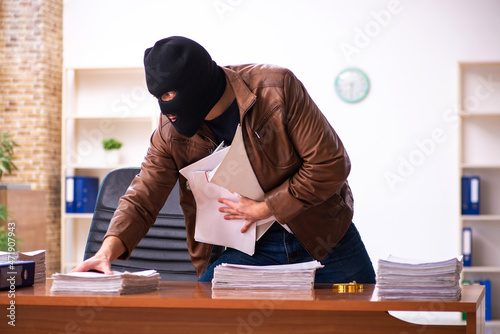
(352, 85)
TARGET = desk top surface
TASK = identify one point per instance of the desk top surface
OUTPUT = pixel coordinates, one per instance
(201, 295)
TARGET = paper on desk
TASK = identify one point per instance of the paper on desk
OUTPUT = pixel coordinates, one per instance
(399, 278)
(284, 276)
(237, 177)
(117, 283)
(277, 268)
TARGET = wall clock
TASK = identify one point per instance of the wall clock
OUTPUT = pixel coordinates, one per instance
(352, 85)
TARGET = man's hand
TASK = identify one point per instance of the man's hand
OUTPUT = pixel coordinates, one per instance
(246, 209)
(111, 248)
(96, 262)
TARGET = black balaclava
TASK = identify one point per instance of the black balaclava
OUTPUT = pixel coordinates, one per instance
(184, 66)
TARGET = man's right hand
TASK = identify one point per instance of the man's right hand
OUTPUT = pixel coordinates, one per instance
(111, 248)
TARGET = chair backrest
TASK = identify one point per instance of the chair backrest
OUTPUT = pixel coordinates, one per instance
(164, 248)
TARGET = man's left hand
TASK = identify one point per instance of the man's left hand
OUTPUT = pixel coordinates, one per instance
(246, 209)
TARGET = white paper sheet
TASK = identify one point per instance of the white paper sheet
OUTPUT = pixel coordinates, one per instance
(225, 174)
(211, 227)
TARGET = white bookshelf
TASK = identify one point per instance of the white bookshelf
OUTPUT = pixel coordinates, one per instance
(479, 154)
(100, 103)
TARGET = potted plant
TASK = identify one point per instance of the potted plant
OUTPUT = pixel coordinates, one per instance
(4, 239)
(111, 147)
(6, 153)
(4, 236)
(8, 240)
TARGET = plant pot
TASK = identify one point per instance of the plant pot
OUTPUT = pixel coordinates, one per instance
(112, 157)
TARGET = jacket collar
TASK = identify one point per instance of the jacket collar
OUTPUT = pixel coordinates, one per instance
(244, 97)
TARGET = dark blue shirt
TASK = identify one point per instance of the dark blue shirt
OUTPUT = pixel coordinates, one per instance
(224, 126)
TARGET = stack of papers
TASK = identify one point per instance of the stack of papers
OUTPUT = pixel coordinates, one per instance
(285, 276)
(37, 256)
(280, 294)
(410, 279)
(98, 283)
(7, 256)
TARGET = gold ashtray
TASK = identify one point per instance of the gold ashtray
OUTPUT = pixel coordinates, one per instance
(348, 287)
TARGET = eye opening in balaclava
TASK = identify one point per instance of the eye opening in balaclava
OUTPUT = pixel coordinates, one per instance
(182, 65)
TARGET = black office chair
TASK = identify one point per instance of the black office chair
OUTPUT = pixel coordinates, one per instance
(164, 247)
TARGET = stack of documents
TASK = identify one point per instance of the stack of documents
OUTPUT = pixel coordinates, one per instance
(285, 276)
(37, 256)
(279, 294)
(410, 279)
(7, 257)
(97, 283)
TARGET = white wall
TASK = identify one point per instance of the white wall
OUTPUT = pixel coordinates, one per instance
(405, 128)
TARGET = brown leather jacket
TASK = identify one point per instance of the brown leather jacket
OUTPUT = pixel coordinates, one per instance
(297, 157)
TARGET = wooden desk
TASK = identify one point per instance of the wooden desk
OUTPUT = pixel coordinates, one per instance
(188, 307)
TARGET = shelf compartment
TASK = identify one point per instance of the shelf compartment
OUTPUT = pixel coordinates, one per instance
(478, 93)
(480, 140)
(84, 141)
(485, 246)
(75, 229)
(114, 93)
(489, 192)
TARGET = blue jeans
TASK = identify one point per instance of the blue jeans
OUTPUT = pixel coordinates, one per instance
(348, 261)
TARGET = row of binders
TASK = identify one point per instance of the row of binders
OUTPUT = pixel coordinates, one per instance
(471, 206)
(409, 279)
(81, 194)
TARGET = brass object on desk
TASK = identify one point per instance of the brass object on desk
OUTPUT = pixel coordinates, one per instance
(348, 287)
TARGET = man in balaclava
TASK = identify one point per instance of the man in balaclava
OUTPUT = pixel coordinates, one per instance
(296, 155)
(179, 65)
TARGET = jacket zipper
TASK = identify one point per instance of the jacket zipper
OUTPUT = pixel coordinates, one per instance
(245, 112)
(256, 132)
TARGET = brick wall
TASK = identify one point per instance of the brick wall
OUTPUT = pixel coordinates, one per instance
(30, 101)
